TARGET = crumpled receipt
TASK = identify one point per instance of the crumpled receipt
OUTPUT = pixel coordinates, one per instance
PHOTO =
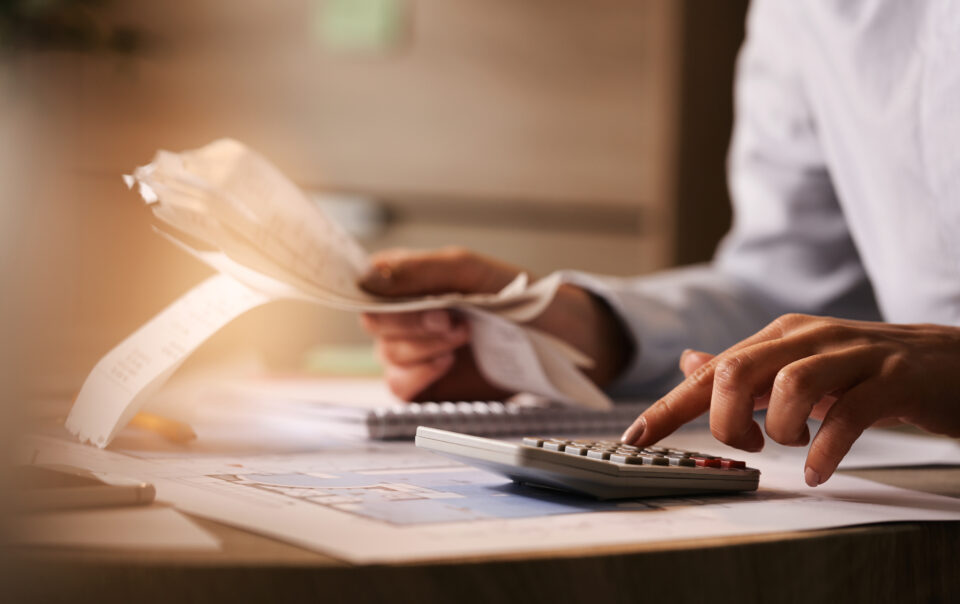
(232, 209)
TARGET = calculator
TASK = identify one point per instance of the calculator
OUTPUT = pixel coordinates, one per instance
(601, 469)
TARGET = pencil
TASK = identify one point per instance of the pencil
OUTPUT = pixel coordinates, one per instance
(169, 429)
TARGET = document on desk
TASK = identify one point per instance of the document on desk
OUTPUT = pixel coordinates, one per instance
(390, 502)
(233, 210)
(154, 527)
(876, 448)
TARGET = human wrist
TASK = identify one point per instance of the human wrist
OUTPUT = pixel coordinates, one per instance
(589, 324)
(616, 345)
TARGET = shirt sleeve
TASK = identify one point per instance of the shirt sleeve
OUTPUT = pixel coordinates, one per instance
(789, 249)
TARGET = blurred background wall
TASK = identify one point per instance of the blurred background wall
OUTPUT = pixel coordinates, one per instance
(551, 133)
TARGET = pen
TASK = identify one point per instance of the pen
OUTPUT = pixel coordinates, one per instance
(169, 429)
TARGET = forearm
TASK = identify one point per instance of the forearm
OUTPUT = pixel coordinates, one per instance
(663, 314)
(702, 307)
(587, 323)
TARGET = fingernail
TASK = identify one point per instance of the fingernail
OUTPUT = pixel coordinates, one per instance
(378, 278)
(437, 320)
(635, 430)
(811, 476)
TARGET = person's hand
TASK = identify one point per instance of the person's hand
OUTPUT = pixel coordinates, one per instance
(425, 354)
(850, 374)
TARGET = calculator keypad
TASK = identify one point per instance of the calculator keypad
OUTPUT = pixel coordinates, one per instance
(620, 453)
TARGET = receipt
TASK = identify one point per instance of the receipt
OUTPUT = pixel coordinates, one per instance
(231, 209)
(128, 375)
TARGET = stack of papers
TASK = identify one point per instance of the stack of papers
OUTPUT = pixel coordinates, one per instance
(156, 527)
(233, 210)
(377, 502)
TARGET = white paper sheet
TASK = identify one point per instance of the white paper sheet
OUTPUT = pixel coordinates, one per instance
(269, 242)
(388, 502)
(155, 527)
(222, 409)
(876, 448)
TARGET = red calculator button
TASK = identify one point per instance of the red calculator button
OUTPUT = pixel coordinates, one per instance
(703, 462)
(732, 464)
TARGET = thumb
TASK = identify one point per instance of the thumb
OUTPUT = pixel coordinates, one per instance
(402, 272)
(691, 360)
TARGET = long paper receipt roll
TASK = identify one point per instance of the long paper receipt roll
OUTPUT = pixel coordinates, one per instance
(268, 241)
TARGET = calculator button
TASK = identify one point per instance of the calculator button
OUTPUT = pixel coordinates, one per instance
(703, 462)
(617, 452)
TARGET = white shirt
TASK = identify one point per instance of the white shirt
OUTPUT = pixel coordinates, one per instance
(844, 171)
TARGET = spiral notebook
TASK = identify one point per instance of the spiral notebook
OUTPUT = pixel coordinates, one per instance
(481, 418)
(365, 408)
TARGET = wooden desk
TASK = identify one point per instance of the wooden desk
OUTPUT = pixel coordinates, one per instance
(899, 562)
